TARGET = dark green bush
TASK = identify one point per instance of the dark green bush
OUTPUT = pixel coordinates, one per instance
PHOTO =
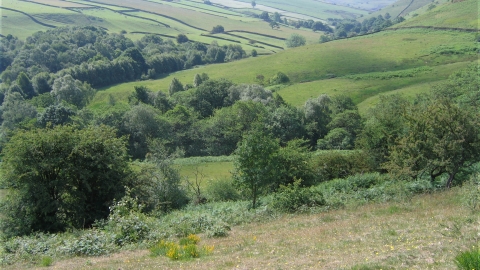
(468, 260)
(339, 164)
(221, 190)
(293, 197)
(91, 243)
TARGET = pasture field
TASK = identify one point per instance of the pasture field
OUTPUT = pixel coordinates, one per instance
(207, 22)
(409, 92)
(310, 65)
(369, 87)
(94, 4)
(316, 9)
(424, 233)
(211, 171)
(19, 24)
(209, 9)
(59, 3)
(116, 22)
(462, 14)
(400, 8)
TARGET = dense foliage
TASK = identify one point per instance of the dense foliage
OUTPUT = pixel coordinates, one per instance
(92, 55)
(61, 178)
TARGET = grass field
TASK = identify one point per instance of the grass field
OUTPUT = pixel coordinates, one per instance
(400, 8)
(424, 233)
(362, 89)
(212, 168)
(19, 24)
(317, 9)
(462, 14)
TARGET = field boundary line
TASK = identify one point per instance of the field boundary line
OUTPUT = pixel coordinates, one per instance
(30, 16)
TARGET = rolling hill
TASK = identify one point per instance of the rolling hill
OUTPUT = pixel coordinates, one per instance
(332, 67)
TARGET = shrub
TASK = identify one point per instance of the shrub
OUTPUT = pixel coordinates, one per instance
(295, 40)
(293, 197)
(126, 221)
(221, 190)
(279, 78)
(187, 248)
(217, 29)
(91, 243)
(46, 261)
(468, 260)
(471, 190)
(339, 164)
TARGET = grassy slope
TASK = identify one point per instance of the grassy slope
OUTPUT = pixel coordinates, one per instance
(317, 9)
(419, 234)
(390, 50)
(400, 7)
(460, 14)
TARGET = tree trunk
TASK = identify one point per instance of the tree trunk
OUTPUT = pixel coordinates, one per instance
(450, 179)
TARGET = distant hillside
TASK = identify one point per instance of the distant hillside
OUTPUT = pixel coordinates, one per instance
(457, 14)
(400, 8)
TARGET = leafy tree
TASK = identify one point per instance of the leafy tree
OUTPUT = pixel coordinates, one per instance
(441, 138)
(279, 78)
(255, 166)
(276, 17)
(55, 115)
(182, 38)
(209, 96)
(158, 184)
(141, 94)
(143, 123)
(254, 53)
(317, 116)
(197, 80)
(24, 83)
(222, 132)
(294, 163)
(61, 178)
(16, 110)
(67, 89)
(253, 3)
(274, 24)
(217, 29)
(295, 40)
(161, 102)
(41, 83)
(175, 86)
(382, 127)
(246, 92)
(286, 123)
(264, 16)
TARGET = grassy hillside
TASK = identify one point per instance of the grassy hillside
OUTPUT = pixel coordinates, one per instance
(168, 19)
(401, 8)
(458, 14)
(309, 67)
(424, 233)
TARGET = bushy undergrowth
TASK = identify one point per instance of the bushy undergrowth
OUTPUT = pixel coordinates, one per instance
(127, 227)
(187, 248)
(468, 260)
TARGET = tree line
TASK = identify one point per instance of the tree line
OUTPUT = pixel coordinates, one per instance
(92, 55)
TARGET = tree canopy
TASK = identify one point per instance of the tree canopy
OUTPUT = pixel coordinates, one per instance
(61, 178)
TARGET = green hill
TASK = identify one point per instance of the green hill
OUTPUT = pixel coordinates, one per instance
(321, 68)
(456, 14)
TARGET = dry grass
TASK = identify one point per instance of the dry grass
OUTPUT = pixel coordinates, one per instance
(425, 233)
